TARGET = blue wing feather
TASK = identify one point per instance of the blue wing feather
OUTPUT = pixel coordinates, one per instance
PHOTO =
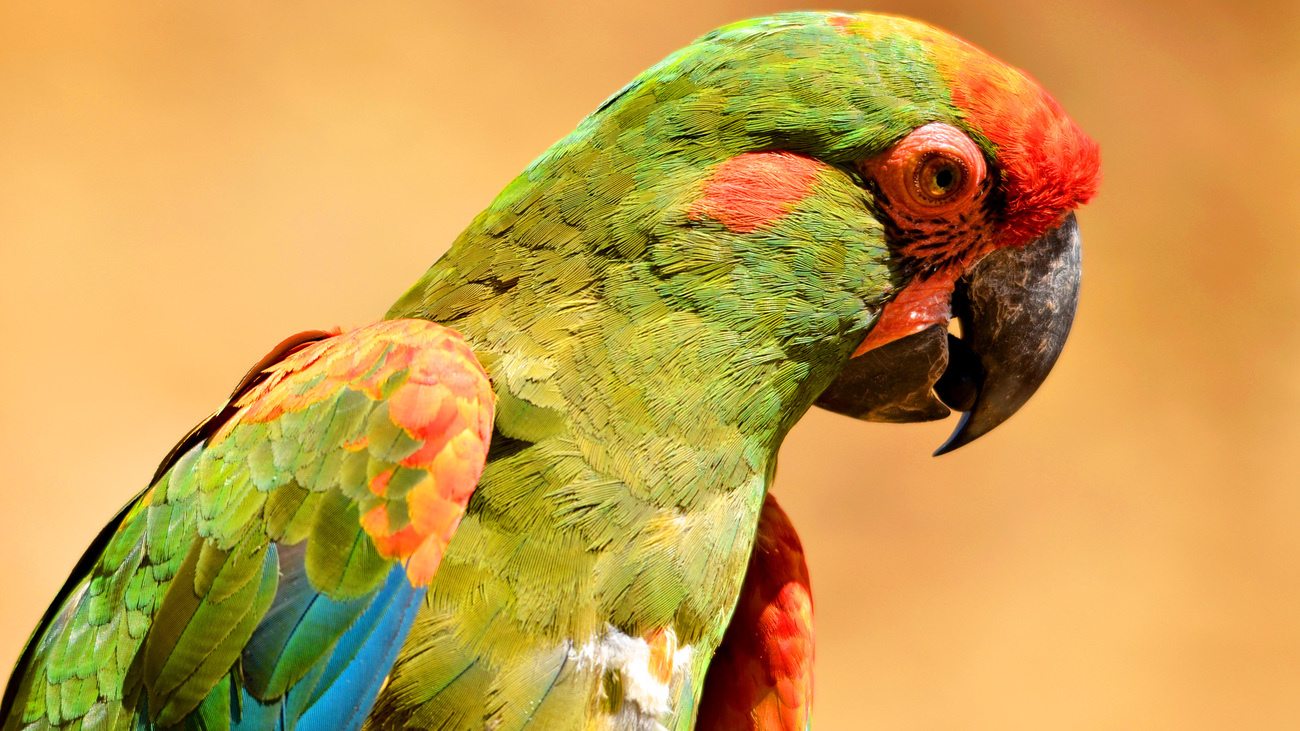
(355, 643)
(364, 656)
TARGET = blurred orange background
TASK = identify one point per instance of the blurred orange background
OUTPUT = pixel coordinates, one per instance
(182, 184)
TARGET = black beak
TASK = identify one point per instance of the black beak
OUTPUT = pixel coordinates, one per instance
(1015, 308)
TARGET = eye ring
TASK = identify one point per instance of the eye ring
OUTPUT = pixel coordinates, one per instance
(934, 172)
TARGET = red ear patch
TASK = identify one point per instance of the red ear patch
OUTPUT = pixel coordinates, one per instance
(756, 189)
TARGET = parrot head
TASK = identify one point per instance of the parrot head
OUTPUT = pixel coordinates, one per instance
(973, 171)
(789, 211)
(980, 210)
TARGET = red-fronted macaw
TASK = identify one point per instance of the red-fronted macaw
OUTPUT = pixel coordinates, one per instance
(536, 496)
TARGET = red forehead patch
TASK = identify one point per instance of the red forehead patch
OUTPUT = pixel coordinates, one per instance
(1048, 165)
(756, 189)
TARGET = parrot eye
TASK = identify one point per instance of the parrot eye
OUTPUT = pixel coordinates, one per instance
(939, 177)
(934, 171)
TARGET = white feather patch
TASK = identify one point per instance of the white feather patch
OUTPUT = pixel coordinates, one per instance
(645, 692)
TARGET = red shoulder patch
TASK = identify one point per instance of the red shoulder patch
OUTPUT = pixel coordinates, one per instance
(756, 189)
(435, 391)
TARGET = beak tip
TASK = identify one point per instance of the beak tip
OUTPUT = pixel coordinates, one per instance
(960, 437)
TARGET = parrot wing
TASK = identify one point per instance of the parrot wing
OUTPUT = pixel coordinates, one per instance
(266, 578)
(761, 678)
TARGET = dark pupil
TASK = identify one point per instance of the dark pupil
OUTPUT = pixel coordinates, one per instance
(943, 179)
